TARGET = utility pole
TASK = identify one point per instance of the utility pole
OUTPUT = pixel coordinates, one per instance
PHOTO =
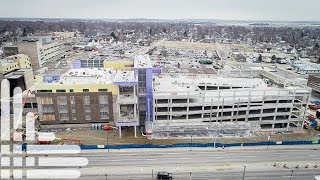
(152, 174)
(106, 176)
(190, 176)
(244, 172)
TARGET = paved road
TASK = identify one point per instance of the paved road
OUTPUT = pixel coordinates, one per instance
(204, 164)
(256, 175)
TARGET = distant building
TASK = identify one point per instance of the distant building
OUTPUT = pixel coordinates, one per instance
(9, 49)
(40, 49)
(62, 35)
(11, 63)
(306, 68)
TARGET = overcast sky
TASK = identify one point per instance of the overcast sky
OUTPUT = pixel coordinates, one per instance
(293, 10)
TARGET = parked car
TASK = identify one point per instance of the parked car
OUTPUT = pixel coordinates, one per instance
(164, 175)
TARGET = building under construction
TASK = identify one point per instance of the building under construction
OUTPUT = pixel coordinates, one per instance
(233, 103)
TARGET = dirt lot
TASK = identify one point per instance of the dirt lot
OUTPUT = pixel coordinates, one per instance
(100, 137)
(186, 45)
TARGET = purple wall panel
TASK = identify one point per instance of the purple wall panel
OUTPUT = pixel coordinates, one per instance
(149, 93)
(76, 64)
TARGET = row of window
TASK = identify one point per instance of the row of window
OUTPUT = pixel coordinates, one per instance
(71, 90)
(31, 105)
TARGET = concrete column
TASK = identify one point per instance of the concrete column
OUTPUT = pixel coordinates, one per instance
(202, 109)
(188, 101)
(234, 102)
(120, 131)
(135, 131)
(248, 107)
(135, 111)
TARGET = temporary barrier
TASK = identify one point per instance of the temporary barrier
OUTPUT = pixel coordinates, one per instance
(184, 145)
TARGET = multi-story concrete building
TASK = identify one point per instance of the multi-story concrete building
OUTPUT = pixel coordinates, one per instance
(40, 49)
(229, 105)
(314, 82)
(127, 100)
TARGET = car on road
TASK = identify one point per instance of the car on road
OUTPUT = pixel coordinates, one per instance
(164, 175)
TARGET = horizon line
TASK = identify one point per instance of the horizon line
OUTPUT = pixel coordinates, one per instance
(165, 19)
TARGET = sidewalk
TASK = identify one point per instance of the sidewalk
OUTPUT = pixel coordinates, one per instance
(207, 149)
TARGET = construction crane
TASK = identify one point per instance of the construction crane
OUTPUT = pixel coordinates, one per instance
(26, 98)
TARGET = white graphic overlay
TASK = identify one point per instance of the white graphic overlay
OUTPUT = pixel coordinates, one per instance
(21, 157)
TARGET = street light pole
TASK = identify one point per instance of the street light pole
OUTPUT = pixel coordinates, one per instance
(191, 143)
(107, 144)
(269, 137)
(244, 172)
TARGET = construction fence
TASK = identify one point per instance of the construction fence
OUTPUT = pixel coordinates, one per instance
(213, 145)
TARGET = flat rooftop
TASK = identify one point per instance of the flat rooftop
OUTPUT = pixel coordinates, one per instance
(308, 67)
(88, 76)
(4, 62)
(191, 82)
(124, 76)
(142, 61)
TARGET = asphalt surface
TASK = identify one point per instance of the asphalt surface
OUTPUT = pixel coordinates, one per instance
(221, 164)
(256, 175)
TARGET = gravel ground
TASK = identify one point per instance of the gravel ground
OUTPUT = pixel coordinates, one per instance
(100, 137)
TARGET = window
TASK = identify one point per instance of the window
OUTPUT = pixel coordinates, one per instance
(27, 105)
(60, 90)
(62, 107)
(72, 100)
(103, 99)
(35, 105)
(41, 91)
(74, 117)
(85, 90)
(86, 100)
(103, 105)
(104, 115)
(102, 90)
(87, 116)
(71, 90)
(63, 116)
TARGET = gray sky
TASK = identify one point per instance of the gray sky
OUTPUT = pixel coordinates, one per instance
(294, 10)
